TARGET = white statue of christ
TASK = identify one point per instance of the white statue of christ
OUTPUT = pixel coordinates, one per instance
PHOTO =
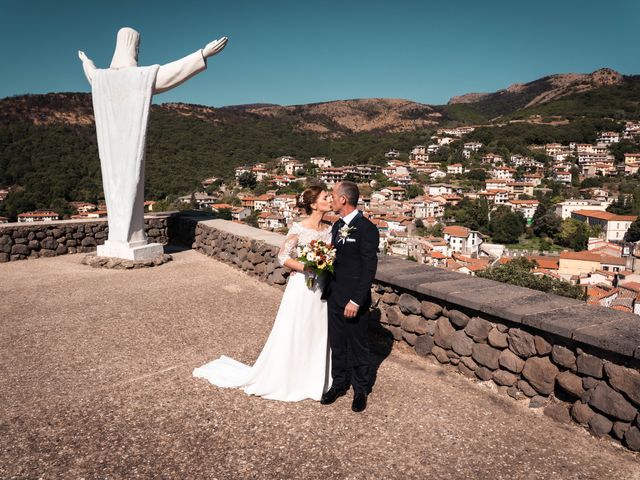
(121, 101)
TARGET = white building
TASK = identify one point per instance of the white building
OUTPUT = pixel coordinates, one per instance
(564, 209)
(321, 162)
(38, 216)
(462, 240)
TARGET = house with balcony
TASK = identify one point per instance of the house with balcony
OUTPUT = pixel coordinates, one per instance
(38, 216)
(462, 240)
(321, 162)
(563, 176)
(455, 169)
(526, 207)
(502, 173)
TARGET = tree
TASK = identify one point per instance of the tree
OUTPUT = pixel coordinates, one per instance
(247, 180)
(575, 234)
(473, 214)
(414, 190)
(518, 272)
(545, 223)
(477, 174)
(633, 234)
(621, 206)
(506, 226)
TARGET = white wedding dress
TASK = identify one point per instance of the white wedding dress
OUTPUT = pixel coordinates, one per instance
(295, 361)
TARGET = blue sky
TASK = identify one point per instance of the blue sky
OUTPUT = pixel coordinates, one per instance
(292, 52)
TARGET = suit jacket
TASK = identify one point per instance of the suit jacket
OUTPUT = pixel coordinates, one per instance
(355, 264)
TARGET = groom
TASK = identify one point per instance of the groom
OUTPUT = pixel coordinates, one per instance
(348, 295)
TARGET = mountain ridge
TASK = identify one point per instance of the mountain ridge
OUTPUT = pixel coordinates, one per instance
(337, 117)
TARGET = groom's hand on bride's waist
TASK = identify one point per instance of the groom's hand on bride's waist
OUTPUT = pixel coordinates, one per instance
(351, 309)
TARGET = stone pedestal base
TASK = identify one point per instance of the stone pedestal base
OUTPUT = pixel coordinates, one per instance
(121, 264)
(146, 251)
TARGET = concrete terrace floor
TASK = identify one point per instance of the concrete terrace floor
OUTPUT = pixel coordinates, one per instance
(96, 383)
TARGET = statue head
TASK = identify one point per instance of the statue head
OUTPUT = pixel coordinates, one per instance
(126, 53)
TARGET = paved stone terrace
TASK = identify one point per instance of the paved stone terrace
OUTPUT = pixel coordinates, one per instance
(96, 383)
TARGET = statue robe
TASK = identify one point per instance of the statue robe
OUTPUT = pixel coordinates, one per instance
(121, 103)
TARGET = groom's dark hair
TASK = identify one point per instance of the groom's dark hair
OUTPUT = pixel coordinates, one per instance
(350, 191)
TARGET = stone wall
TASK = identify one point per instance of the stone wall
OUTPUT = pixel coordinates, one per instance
(253, 250)
(20, 241)
(579, 363)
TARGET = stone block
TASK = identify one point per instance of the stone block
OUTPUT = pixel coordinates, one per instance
(558, 412)
(86, 242)
(409, 304)
(538, 401)
(461, 343)
(394, 316)
(497, 339)
(589, 383)
(518, 303)
(410, 338)
(483, 373)
(589, 365)
(624, 380)
(430, 310)
(608, 401)
(632, 439)
(469, 363)
(541, 374)
(424, 345)
(527, 389)
(390, 298)
(443, 334)
(440, 354)
(473, 293)
(521, 343)
(619, 429)
(542, 346)
(20, 250)
(564, 357)
(502, 377)
(415, 324)
(466, 371)
(458, 318)
(570, 383)
(566, 321)
(581, 412)
(486, 355)
(600, 425)
(478, 329)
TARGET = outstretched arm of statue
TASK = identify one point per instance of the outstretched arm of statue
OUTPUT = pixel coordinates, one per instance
(173, 74)
(87, 65)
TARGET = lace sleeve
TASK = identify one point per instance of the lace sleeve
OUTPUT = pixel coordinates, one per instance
(289, 245)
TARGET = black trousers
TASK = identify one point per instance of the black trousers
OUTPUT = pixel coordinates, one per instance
(347, 333)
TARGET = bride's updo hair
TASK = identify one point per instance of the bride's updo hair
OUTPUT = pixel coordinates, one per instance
(308, 198)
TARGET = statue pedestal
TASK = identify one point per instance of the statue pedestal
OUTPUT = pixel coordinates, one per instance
(130, 251)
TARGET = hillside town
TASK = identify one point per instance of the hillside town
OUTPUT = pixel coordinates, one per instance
(412, 197)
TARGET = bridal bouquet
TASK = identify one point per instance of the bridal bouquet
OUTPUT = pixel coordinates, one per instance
(319, 256)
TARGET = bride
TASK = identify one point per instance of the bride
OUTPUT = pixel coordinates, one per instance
(294, 363)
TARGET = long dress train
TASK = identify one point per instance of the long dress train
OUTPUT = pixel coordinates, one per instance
(294, 363)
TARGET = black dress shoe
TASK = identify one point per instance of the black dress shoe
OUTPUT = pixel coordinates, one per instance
(359, 402)
(333, 394)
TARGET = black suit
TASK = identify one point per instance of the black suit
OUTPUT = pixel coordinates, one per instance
(354, 271)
